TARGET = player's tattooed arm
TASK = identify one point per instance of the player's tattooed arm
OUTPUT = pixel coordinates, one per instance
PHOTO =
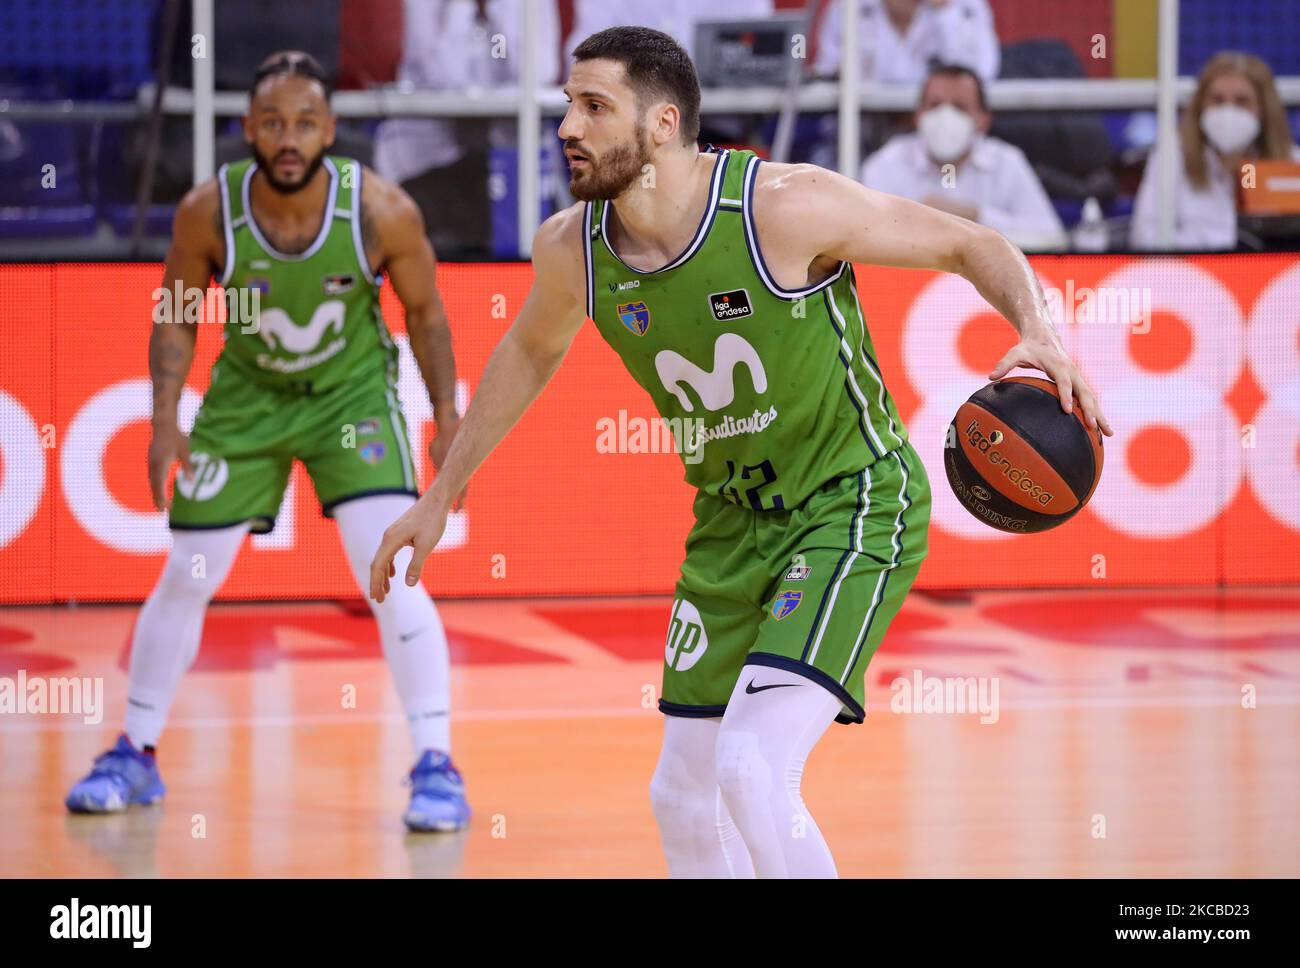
(393, 234)
(196, 249)
(815, 218)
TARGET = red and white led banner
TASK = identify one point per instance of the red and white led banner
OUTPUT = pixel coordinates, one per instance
(1197, 360)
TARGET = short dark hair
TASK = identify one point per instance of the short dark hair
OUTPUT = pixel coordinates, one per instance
(286, 62)
(957, 70)
(656, 68)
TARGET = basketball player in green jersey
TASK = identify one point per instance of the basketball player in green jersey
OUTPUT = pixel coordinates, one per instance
(311, 377)
(726, 286)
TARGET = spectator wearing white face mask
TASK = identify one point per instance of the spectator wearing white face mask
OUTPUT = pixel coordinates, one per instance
(1234, 115)
(952, 164)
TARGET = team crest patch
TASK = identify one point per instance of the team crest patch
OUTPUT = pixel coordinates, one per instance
(367, 428)
(798, 573)
(634, 316)
(372, 451)
(334, 285)
(785, 603)
(259, 283)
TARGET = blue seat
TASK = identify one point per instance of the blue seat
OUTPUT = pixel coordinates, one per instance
(85, 48)
(1267, 28)
(42, 194)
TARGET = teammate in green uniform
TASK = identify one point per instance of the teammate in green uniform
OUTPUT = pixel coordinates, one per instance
(301, 241)
(726, 286)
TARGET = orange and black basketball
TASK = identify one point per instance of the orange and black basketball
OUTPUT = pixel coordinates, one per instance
(1017, 461)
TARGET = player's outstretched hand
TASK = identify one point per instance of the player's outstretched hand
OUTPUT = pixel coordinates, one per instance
(1047, 354)
(420, 528)
(167, 445)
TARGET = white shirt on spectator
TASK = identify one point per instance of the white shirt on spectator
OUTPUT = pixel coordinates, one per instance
(957, 32)
(677, 18)
(1204, 218)
(445, 48)
(996, 178)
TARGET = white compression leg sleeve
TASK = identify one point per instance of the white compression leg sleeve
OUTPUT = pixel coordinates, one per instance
(170, 624)
(698, 837)
(410, 630)
(763, 743)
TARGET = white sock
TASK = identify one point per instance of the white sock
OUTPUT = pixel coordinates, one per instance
(763, 743)
(170, 624)
(410, 630)
(695, 829)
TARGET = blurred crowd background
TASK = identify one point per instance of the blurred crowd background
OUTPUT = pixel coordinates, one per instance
(1051, 171)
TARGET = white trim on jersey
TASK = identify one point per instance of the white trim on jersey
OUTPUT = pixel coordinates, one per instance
(358, 243)
(756, 253)
(879, 377)
(588, 261)
(227, 227)
(863, 404)
(701, 231)
(325, 224)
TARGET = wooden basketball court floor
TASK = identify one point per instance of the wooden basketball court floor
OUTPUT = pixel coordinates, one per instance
(1138, 733)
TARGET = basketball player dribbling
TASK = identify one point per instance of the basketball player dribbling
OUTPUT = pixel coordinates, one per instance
(314, 380)
(726, 286)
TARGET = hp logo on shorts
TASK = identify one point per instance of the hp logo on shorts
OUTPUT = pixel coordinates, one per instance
(210, 474)
(687, 640)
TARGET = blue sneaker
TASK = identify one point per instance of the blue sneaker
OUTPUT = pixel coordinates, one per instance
(121, 777)
(437, 795)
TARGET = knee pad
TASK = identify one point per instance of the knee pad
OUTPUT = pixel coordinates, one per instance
(742, 766)
(673, 792)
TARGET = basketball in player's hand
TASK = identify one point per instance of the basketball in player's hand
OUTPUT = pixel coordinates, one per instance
(1017, 461)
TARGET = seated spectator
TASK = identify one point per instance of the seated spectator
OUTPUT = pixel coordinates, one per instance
(459, 45)
(951, 163)
(899, 40)
(1234, 115)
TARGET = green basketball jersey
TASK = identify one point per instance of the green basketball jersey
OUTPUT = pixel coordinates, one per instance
(318, 323)
(769, 392)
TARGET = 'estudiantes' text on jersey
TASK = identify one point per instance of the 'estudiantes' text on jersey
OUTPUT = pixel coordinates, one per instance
(769, 392)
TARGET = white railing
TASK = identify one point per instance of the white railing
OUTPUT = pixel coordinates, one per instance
(529, 102)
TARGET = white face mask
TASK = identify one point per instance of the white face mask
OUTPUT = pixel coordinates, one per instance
(1230, 129)
(946, 132)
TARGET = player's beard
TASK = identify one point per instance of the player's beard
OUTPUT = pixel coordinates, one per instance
(614, 173)
(310, 167)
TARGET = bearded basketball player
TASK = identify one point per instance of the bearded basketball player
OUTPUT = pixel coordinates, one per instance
(812, 507)
(314, 235)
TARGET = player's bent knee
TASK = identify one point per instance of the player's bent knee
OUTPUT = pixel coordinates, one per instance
(743, 768)
(673, 793)
(189, 578)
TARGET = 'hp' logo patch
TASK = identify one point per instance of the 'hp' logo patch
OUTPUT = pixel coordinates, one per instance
(687, 640)
(209, 477)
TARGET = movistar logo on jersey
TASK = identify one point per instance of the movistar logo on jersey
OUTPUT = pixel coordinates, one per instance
(280, 332)
(635, 316)
(714, 387)
(730, 305)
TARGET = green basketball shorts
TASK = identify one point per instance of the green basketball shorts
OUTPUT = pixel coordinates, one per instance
(352, 439)
(811, 590)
